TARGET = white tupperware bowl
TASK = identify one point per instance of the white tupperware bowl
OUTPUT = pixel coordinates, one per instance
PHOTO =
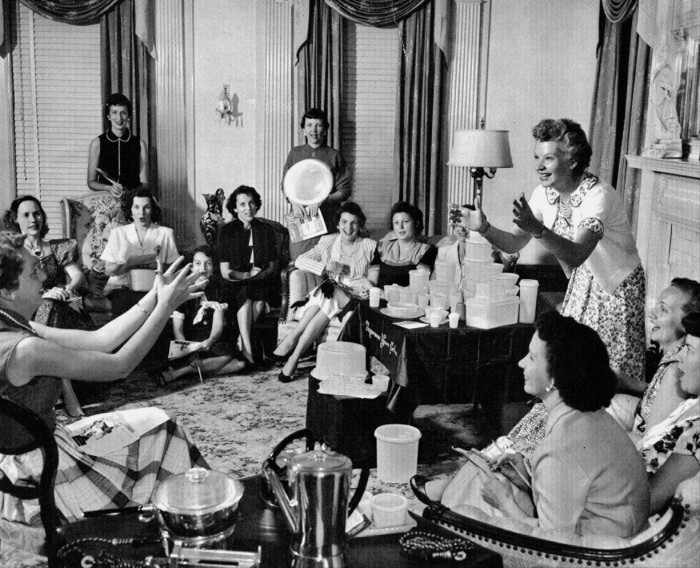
(402, 309)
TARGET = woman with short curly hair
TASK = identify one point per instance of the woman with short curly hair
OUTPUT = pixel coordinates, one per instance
(582, 221)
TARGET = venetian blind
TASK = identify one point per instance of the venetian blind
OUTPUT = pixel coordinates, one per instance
(368, 115)
(57, 97)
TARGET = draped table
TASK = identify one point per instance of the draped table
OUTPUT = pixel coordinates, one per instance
(426, 366)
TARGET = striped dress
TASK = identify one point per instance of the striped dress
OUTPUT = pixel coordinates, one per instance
(328, 249)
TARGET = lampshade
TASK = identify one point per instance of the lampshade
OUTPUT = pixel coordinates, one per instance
(480, 148)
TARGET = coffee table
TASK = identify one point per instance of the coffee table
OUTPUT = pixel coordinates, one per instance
(260, 525)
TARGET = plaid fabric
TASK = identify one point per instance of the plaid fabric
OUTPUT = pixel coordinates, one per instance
(122, 478)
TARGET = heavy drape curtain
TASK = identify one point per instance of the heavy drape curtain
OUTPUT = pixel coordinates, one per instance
(619, 106)
(126, 64)
(321, 67)
(420, 93)
(128, 41)
(419, 128)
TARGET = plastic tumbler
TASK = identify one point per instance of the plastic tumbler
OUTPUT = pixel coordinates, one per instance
(423, 300)
(374, 295)
(392, 293)
(454, 320)
(397, 452)
(528, 300)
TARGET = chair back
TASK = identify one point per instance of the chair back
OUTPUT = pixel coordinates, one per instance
(36, 434)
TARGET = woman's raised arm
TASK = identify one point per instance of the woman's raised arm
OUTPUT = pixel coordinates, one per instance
(51, 354)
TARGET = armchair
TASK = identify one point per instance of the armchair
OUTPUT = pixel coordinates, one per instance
(89, 218)
(671, 541)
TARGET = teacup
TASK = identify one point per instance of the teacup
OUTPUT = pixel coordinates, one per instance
(430, 310)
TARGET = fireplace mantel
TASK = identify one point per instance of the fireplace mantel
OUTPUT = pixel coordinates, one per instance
(666, 166)
(668, 226)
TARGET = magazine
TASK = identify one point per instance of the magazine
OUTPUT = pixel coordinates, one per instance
(180, 348)
(103, 434)
(301, 231)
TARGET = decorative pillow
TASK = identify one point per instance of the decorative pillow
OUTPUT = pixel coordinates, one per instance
(91, 222)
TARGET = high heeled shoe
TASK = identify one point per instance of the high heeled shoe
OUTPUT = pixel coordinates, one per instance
(277, 359)
(282, 378)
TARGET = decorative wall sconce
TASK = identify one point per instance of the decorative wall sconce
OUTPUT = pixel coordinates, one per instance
(479, 150)
(227, 107)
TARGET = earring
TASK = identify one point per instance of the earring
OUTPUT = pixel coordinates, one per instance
(12, 296)
(551, 387)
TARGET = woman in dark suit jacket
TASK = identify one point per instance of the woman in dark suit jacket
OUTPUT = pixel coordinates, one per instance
(248, 257)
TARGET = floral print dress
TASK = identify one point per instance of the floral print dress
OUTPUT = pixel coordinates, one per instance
(679, 434)
(617, 317)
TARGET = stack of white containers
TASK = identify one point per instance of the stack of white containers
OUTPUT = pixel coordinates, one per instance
(491, 296)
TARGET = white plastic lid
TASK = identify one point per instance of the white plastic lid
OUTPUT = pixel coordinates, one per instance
(308, 182)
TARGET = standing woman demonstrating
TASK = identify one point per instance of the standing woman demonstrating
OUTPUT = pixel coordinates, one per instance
(248, 258)
(582, 221)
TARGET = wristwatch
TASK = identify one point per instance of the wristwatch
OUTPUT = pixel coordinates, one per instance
(542, 232)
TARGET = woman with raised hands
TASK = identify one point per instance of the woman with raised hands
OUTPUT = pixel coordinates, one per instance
(34, 360)
(582, 221)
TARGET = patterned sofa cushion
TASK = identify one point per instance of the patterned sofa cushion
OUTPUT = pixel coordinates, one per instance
(89, 219)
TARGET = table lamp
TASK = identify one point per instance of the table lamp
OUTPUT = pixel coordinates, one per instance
(479, 150)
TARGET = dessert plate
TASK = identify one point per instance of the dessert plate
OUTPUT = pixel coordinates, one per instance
(389, 312)
(426, 320)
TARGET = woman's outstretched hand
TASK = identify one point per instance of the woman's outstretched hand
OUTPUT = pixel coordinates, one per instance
(174, 288)
(471, 219)
(524, 218)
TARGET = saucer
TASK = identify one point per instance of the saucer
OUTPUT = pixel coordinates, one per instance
(426, 320)
(390, 313)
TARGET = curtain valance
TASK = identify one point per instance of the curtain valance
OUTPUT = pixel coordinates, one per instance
(79, 12)
(617, 11)
(376, 12)
(85, 12)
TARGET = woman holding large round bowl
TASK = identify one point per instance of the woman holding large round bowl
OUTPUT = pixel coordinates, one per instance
(349, 263)
(401, 251)
(581, 220)
(35, 359)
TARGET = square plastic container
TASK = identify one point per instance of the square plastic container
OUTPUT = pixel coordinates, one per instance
(491, 289)
(480, 271)
(486, 314)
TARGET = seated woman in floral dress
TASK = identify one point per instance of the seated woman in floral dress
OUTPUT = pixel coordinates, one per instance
(34, 360)
(671, 448)
(350, 264)
(59, 260)
(401, 251)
